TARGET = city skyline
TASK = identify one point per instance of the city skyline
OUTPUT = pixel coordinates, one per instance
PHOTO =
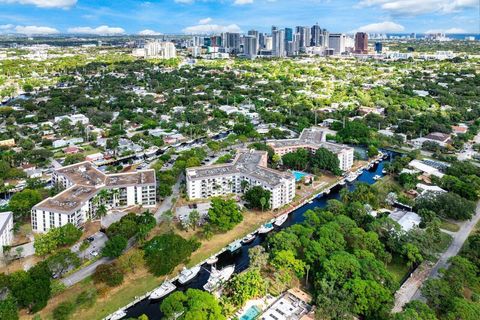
(50, 17)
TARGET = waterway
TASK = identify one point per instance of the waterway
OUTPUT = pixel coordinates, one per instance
(240, 258)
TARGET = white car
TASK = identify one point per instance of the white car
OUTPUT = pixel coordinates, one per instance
(94, 253)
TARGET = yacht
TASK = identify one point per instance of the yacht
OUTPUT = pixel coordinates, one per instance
(266, 228)
(351, 177)
(117, 315)
(166, 288)
(281, 219)
(188, 274)
(217, 277)
(384, 171)
(248, 238)
(234, 246)
(212, 260)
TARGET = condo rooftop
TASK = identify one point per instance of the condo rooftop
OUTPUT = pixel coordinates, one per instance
(247, 162)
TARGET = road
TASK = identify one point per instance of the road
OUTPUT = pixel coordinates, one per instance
(457, 242)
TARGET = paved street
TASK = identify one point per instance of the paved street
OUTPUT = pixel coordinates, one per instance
(95, 248)
(457, 243)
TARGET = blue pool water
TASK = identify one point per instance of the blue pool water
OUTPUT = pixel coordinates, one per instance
(251, 313)
(299, 175)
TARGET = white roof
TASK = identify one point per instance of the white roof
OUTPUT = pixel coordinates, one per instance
(425, 168)
(406, 219)
(426, 187)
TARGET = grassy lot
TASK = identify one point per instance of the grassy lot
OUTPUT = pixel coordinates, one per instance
(398, 268)
(449, 226)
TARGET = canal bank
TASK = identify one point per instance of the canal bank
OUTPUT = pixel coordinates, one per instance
(142, 305)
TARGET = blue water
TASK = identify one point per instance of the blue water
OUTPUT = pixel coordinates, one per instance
(240, 257)
(299, 175)
(251, 313)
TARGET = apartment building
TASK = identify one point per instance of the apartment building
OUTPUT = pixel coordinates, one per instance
(312, 139)
(6, 229)
(248, 168)
(83, 183)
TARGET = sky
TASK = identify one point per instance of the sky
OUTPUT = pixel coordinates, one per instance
(114, 17)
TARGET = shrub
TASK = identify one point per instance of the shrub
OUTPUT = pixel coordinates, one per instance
(63, 311)
(109, 274)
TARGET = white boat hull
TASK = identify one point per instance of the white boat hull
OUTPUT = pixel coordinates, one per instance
(162, 291)
(188, 274)
(281, 220)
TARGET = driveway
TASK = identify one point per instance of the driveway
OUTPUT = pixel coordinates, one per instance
(95, 248)
(458, 240)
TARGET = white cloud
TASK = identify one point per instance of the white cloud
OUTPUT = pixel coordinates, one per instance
(211, 28)
(205, 21)
(45, 3)
(416, 7)
(242, 2)
(386, 26)
(448, 31)
(148, 32)
(6, 26)
(99, 31)
(35, 30)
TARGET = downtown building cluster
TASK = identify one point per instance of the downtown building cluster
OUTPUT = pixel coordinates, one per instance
(280, 42)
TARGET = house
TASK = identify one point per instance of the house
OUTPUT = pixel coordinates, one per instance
(71, 150)
(6, 229)
(94, 157)
(294, 304)
(460, 129)
(442, 139)
(406, 219)
(423, 188)
(425, 168)
(7, 143)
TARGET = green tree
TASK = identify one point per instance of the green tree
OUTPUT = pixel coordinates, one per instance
(114, 246)
(194, 218)
(324, 159)
(223, 214)
(109, 274)
(254, 195)
(22, 202)
(191, 305)
(61, 261)
(8, 308)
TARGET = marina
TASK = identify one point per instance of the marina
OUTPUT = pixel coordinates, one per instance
(240, 259)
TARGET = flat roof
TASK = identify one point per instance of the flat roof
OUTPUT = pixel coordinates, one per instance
(87, 182)
(311, 137)
(247, 162)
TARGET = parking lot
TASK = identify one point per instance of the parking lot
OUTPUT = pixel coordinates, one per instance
(97, 242)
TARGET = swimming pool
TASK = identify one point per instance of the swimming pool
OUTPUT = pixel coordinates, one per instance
(251, 313)
(299, 175)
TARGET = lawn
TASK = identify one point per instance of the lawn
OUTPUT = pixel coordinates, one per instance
(449, 226)
(398, 268)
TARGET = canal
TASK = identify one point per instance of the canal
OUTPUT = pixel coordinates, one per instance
(240, 258)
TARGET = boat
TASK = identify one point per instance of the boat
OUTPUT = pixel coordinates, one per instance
(310, 202)
(320, 195)
(281, 219)
(188, 274)
(217, 277)
(118, 315)
(327, 191)
(377, 162)
(249, 238)
(351, 177)
(212, 260)
(166, 288)
(234, 246)
(377, 177)
(342, 182)
(384, 171)
(266, 228)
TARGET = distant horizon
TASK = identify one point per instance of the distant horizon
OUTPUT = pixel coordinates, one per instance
(154, 17)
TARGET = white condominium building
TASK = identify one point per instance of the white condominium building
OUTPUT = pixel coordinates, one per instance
(160, 49)
(249, 166)
(313, 139)
(83, 183)
(6, 229)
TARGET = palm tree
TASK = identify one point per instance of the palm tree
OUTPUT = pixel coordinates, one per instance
(263, 202)
(101, 211)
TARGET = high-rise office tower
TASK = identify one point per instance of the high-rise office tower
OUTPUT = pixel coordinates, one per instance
(361, 43)
(261, 41)
(254, 33)
(250, 48)
(337, 42)
(268, 43)
(231, 42)
(316, 32)
(278, 42)
(324, 38)
(304, 40)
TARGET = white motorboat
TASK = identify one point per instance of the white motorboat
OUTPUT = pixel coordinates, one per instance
(377, 177)
(342, 182)
(234, 246)
(281, 219)
(212, 260)
(327, 191)
(351, 177)
(249, 238)
(384, 171)
(217, 277)
(117, 315)
(266, 228)
(310, 202)
(166, 288)
(188, 274)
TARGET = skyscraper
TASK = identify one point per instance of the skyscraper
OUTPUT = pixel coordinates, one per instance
(304, 40)
(378, 47)
(316, 32)
(254, 33)
(278, 42)
(231, 42)
(337, 42)
(361, 43)
(250, 48)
